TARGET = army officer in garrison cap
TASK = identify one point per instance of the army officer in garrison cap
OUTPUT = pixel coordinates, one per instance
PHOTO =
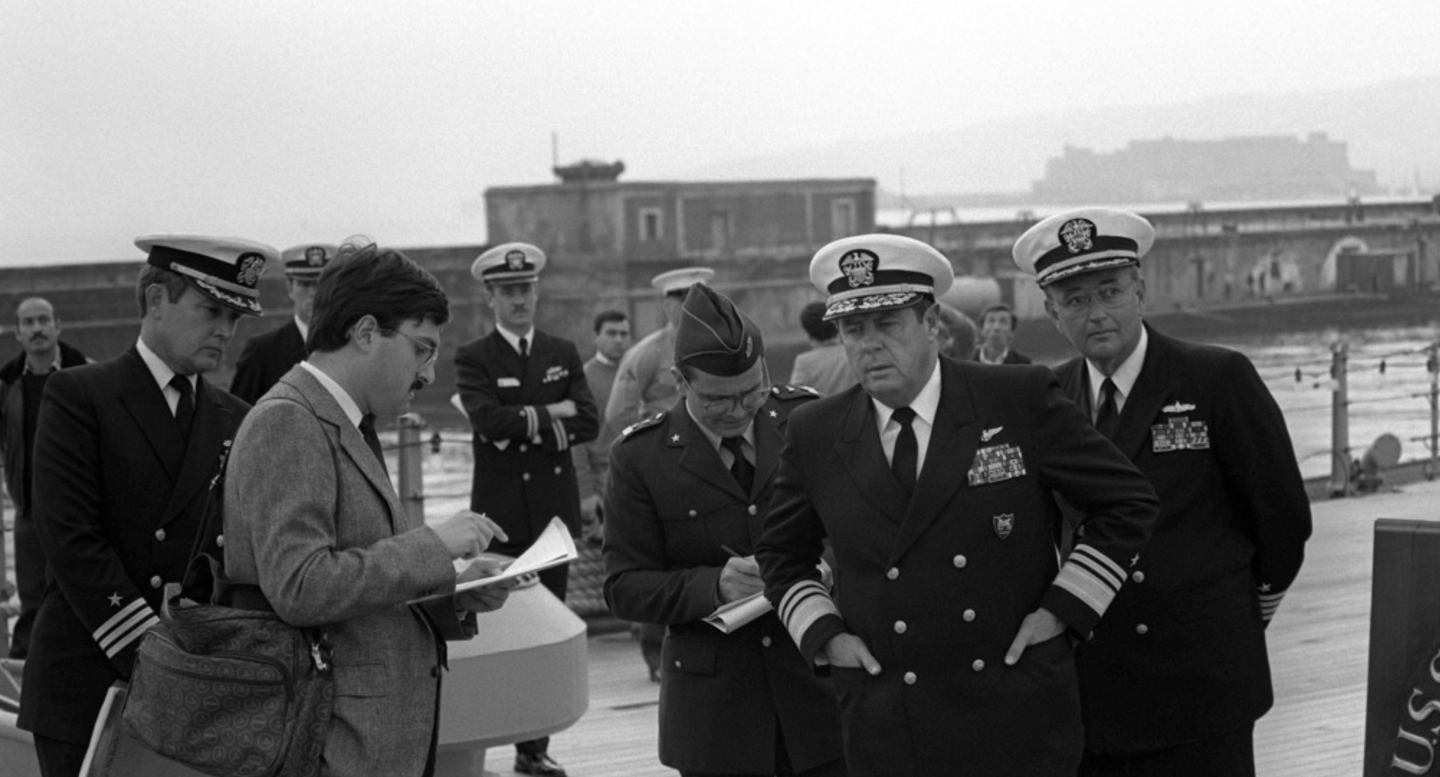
(684, 505)
(266, 357)
(935, 481)
(528, 402)
(1177, 673)
(123, 452)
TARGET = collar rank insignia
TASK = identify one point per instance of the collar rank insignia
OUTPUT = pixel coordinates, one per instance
(1004, 524)
(1078, 234)
(1178, 407)
(859, 267)
(988, 433)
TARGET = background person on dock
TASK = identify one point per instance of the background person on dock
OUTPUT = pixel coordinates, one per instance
(1175, 676)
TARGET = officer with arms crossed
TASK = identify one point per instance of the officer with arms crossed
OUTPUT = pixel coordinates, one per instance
(1177, 674)
(685, 503)
(935, 481)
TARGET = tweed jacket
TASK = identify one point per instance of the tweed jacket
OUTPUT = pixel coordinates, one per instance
(117, 500)
(1181, 655)
(312, 518)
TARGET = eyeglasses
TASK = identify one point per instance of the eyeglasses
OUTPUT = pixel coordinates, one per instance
(1108, 296)
(749, 400)
(431, 352)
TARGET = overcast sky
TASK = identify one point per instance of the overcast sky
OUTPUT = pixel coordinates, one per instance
(294, 121)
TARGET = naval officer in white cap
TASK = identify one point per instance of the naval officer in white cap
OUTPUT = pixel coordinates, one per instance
(1177, 673)
(935, 482)
(123, 450)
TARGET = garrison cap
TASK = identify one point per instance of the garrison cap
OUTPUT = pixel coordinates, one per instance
(866, 273)
(1080, 241)
(714, 336)
(307, 260)
(674, 281)
(509, 263)
(225, 269)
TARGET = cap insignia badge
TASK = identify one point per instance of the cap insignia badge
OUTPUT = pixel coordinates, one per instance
(1004, 524)
(315, 256)
(515, 260)
(859, 267)
(250, 267)
(749, 345)
(1078, 235)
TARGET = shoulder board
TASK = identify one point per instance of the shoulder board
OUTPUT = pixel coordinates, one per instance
(786, 392)
(642, 424)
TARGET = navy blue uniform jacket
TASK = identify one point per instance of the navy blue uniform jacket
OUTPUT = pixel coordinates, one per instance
(265, 359)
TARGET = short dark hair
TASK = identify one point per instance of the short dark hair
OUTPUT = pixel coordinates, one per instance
(1000, 307)
(812, 318)
(150, 275)
(606, 316)
(373, 281)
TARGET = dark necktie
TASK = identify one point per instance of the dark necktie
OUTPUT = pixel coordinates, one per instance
(524, 349)
(367, 430)
(903, 462)
(185, 408)
(1109, 416)
(741, 468)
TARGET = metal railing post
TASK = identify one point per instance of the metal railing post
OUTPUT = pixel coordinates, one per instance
(1432, 364)
(1339, 423)
(412, 480)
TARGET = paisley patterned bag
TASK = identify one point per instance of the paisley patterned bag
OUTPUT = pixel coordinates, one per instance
(232, 691)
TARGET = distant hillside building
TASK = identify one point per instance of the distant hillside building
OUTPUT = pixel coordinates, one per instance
(1272, 167)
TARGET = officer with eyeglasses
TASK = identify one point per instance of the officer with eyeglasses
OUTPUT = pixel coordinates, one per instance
(528, 402)
(688, 493)
(1175, 676)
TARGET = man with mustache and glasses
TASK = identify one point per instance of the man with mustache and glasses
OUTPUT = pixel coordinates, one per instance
(952, 640)
(528, 401)
(685, 503)
(315, 531)
(22, 380)
(1176, 674)
(124, 450)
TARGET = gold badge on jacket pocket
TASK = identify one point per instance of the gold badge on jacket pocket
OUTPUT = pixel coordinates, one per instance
(996, 463)
(1004, 524)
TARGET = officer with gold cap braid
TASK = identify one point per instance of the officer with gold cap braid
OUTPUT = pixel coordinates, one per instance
(1177, 673)
(123, 452)
(935, 480)
(268, 356)
(686, 499)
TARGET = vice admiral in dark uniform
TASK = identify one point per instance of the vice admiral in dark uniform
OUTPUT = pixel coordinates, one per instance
(688, 489)
(123, 452)
(268, 356)
(1177, 673)
(936, 481)
(528, 402)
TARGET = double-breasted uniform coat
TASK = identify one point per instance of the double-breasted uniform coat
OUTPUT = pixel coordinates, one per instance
(1181, 654)
(265, 359)
(524, 475)
(671, 508)
(937, 585)
(117, 499)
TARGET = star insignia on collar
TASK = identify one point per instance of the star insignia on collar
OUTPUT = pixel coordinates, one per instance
(1264, 588)
(774, 414)
(674, 438)
(115, 599)
(1135, 559)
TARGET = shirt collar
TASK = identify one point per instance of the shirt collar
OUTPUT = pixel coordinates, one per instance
(514, 339)
(600, 357)
(714, 438)
(1125, 375)
(158, 368)
(925, 404)
(304, 329)
(980, 354)
(342, 397)
(53, 366)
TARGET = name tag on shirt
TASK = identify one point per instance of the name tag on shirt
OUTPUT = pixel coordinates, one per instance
(995, 464)
(508, 383)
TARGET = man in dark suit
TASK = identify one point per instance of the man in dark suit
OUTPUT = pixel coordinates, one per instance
(1177, 673)
(268, 356)
(685, 505)
(528, 403)
(997, 333)
(22, 383)
(936, 482)
(123, 453)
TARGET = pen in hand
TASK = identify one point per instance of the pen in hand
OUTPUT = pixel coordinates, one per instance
(731, 551)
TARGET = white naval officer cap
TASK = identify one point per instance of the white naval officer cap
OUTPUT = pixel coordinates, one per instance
(509, 263)
(225, 269)
(680, 281)
(1082, 240)
(307, 260)
(867, 273)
